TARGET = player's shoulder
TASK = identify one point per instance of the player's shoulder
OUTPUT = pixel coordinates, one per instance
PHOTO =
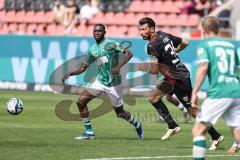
(111, 41)
(217, 41)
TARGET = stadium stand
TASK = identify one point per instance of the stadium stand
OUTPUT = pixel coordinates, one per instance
(120, 16)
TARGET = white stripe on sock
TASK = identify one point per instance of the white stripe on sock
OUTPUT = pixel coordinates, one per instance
(199, 138)
(199, 152)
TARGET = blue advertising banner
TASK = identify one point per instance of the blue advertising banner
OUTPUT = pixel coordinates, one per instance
(32, 59)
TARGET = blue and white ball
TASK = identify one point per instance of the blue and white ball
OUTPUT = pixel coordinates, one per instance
(14, 106)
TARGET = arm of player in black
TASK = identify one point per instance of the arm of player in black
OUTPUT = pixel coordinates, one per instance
(178, 42)
(127, 55)
(182, 45)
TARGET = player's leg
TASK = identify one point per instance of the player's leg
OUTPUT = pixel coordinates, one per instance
(183, 91)
(86, 96)
(199, 140)
(115, 96)
(155, 98)
(232, 118)
(121, 113)
(180, 106)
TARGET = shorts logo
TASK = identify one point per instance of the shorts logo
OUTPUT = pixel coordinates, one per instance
(186, 99)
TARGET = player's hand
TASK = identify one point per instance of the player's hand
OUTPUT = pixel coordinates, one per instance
(115, 70)
(65, 77)
(143, 67)
(194, 100)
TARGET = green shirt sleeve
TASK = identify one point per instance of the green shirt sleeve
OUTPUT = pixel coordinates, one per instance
(90, 58)
(238, 58)
(202, 54)
(114, 47)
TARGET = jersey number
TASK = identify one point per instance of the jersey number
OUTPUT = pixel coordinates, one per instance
(172, 51)
(223, 64)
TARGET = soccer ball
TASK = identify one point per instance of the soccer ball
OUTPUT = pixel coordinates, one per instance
(14, 106)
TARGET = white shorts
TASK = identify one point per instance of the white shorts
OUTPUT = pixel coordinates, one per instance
(213, 109)
(114, 94)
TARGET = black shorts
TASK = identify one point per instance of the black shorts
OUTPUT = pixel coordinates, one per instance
(182, 89)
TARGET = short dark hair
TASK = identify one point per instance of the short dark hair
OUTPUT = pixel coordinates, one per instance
(210, 24)
(147, 20)
(101, 25)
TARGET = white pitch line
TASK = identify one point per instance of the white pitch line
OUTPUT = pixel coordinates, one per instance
(158, 157)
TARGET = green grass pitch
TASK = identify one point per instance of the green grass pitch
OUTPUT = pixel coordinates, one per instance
(38, 134)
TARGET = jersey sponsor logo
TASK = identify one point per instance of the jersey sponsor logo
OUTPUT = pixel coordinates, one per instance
(226, 79)
(165, 40)
(102, 60)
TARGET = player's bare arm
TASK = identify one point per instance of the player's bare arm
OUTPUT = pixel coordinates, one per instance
(77, 71)
(127, 56)
(182, 45)
(200, 76)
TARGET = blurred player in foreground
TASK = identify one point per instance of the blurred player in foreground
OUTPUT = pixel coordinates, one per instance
(218, 59)
(163, 49)
(108, 81)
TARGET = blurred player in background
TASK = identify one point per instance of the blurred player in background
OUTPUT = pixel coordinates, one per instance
(108, 80)
(217, 58)
(163, 49)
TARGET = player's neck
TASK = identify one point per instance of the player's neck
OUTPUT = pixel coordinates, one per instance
(211, 34)
(100, 41)
(153, 37)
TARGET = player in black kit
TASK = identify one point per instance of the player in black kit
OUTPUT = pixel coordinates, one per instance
(162, 49)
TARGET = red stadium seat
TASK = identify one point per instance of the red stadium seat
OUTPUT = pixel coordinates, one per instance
(4, 28)
(20, 16)
(175, 31)
(22, 28)
(135, 6)
(51, 29)
(41, 29)
(81, 30)
(108, 18)
(146, 6)
(12, 28)
(1, 4)
(133, 31)
(182, 20)
(2, 15)
(49, 16)
(39, 17)
(152, 15)
(129, 19)
(162, 19)
(193, 20)
(98, 18)
(30, 17)
(119, 18)
(89, 31)
(157, 6)
(31, 28)
(10, 16)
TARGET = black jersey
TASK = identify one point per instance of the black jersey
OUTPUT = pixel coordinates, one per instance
(163, 48)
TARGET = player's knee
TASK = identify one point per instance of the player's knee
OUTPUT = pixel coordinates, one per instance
(236, 133)
(120, 112)
(195, 131)
(198, 130)
(154, 99)
(168, 97)
(81, 103)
